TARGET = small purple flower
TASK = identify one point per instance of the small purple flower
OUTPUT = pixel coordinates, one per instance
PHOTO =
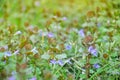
(53, 61)
(81, 33)
(92, 50)
(64, 18)
(68, 47)
(8, 53)
(50, 35)
(96, 66)
(12, 78)
(60, 62)
(16, 52)
(34, 78)
(18, 33)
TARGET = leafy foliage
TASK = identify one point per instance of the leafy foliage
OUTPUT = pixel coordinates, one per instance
(59, 39)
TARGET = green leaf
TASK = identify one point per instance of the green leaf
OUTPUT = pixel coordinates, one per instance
(82, 76)
(1, 54)
(45, 56)
(61, 56)
(93, 61)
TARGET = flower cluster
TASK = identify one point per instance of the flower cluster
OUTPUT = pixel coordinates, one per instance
(7, 54)
(60, 62)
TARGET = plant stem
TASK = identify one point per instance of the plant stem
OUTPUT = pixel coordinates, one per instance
(87, 66)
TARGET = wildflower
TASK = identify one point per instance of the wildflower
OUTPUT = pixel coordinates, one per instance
(64, 18)
(31, 27)
(81, 33)
(12, 78)
(8, 53)
(53, 61)
(92, 50)
(18, 32)
(96, 66)
(68, 47)
(34, 78)
(50, 35)
(60, 62)
(16, 52)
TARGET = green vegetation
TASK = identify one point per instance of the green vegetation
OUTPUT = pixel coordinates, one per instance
(59, 39)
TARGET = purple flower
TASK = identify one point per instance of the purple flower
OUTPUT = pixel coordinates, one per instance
(60, 62)
(50, 35)
(16, 52)
(34, 78)
(53, 61)
(18, 33)
(68, 47)
(64, 18)
(8, 53)
(81, 33)
(12, 78)
(96, 66)
(92, 50)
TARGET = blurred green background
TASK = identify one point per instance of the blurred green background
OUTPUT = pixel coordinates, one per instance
(42, 12)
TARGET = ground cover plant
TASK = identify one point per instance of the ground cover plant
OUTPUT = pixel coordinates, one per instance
(59, 40)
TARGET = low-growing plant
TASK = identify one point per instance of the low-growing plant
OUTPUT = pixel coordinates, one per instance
(59, 40)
